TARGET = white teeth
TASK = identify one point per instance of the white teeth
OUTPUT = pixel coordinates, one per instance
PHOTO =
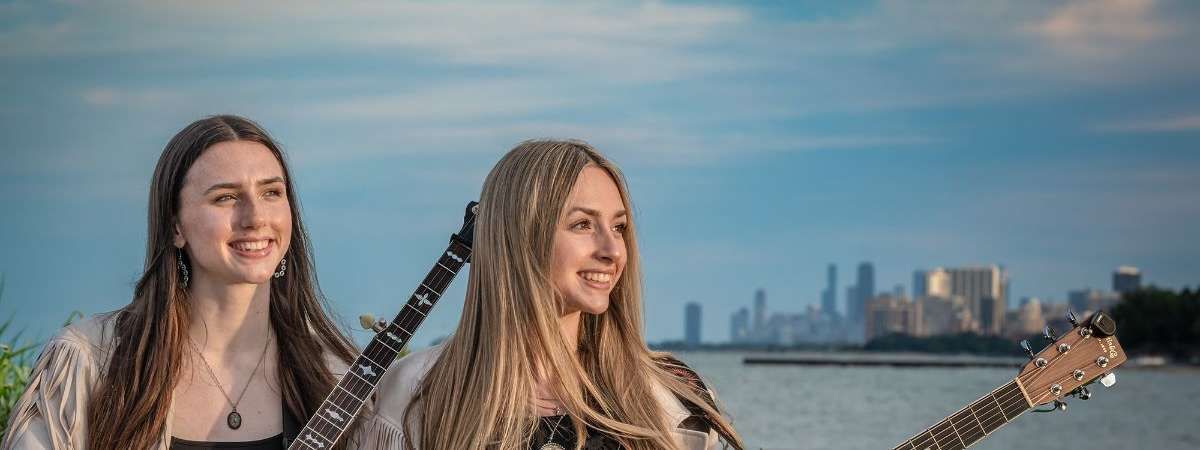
(249, 246)
(598, 277)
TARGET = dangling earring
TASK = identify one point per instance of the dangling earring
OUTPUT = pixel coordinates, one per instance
(182, 267)
(282, 268)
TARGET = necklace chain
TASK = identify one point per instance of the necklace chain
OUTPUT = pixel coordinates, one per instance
(233, 404)
(550, 444)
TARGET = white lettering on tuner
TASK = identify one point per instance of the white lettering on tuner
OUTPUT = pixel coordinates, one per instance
(367, 370)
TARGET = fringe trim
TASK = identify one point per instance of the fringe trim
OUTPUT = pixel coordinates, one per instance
(379, 434)
(57, 395)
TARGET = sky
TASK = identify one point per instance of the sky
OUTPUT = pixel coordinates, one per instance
(761, 141)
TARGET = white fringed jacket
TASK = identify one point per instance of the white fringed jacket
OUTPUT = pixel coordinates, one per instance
(52, 413)
(384, 430)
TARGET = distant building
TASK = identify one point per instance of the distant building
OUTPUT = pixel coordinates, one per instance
(931, 283)
(1086, 301)
(887, 314)
(760, 312)
(1026, 320)
(944, 315)
(829, 295)
(1126, 279)
(918, 287)
(864, 290)
(898, 290)
(691, 325)
(851, 299)
(739, 326)
(983, 288)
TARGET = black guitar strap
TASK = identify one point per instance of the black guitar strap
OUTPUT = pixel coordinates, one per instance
(291, 427)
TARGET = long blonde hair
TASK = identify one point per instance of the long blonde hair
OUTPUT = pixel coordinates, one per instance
(478, 393)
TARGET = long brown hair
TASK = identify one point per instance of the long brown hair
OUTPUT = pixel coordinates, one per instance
(478, 393)
(130, 404)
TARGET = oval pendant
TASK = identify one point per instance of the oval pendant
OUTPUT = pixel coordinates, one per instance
(552, 446)
(234, 420)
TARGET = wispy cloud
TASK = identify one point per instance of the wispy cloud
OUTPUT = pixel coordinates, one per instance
(1185, 123)
(1102, 29)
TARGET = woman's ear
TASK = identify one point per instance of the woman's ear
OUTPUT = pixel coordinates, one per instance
(179, 241)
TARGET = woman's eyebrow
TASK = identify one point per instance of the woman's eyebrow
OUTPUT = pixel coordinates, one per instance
(592, 212)
(236, 185)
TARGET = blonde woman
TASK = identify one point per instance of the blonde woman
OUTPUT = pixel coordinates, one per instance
(226, 343)
(549, 352)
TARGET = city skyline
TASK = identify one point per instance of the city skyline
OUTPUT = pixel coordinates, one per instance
(744, 330)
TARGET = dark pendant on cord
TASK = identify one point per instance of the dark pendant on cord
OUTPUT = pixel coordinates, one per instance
(234, 420)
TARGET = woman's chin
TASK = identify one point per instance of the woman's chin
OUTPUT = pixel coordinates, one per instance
(595, 308)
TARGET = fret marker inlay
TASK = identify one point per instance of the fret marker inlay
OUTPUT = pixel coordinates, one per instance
(366, 370)
(309, 438)
(424, 299)
(335, 415)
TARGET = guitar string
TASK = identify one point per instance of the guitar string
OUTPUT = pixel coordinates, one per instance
(944, 436)
(988, 418)
(338, 396)
(1004, 403)
(1023, 378)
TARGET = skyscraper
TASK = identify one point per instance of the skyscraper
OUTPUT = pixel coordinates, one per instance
(760, 311)
(976, 284)
(919, 284)
(739, 326)
(1127, 279)
(829, 295)
(691, 325)
(864, 290)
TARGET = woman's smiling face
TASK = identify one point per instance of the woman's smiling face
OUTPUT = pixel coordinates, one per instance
(589, 242)
(235, 221)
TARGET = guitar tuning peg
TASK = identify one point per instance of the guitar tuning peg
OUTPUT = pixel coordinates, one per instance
(1109, 379)
(1048, 333)
(1084, 393)
(1071, 317)
(1028, 350)
(1060, 405)
(368, 322)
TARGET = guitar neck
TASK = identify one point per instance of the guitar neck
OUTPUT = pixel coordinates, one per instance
(343, 404)
(973, 422)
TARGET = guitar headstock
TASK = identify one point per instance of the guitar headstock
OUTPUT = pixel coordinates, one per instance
(1088, 352)
(467, 234)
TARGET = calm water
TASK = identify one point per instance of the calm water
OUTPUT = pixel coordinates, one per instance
(798, 407)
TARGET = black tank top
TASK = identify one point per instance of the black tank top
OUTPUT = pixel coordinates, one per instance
(291, 427)
(558, 429)
(272, 443)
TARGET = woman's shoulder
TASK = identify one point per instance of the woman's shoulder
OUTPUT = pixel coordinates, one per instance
(384, 430)
(397, 386)
(92, 335)
(54, 401)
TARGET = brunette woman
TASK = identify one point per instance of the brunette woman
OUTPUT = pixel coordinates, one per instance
(226, 342)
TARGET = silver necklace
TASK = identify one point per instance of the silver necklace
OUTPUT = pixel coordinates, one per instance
(550, 444)
(234, 419)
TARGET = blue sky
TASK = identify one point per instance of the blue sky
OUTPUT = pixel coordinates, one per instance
(762, 141)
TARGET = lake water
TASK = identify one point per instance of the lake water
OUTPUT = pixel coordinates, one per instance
(820, 407)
